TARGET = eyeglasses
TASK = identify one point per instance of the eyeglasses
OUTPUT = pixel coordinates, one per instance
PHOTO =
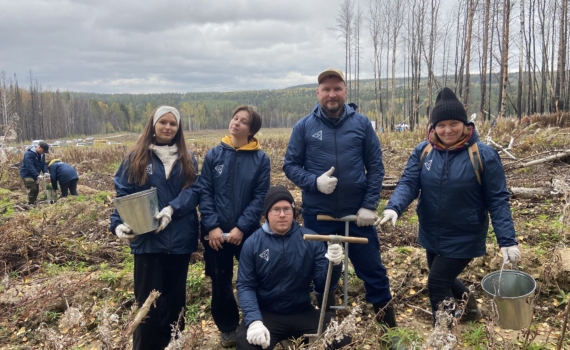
(277, 211)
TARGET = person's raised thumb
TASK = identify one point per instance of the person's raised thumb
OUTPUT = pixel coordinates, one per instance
(330, 172)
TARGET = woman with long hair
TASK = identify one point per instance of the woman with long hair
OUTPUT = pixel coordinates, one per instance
(234, 181)
(160, 159)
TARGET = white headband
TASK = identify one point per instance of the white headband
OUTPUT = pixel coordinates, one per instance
(162, 110)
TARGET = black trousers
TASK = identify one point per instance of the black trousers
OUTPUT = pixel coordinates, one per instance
(283, 327)
(220, 268)
(167, 274)
(442, 279)
(69, 185)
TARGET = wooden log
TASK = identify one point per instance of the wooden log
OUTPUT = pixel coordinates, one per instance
(528, 193)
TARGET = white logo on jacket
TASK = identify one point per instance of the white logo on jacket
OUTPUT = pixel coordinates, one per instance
(149, 169)
(318, 135)
(219, 169)
(265, 255)
(428, 164)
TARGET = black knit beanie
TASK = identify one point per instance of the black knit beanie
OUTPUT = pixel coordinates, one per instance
(276, 194)
(447, 106)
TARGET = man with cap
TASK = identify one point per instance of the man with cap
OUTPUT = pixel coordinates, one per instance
(454, 207)
(33, 163)
(275, 272)
(334, 156)
(65, 174)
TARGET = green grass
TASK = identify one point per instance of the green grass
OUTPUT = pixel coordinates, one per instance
(6, 206)
(475, 336)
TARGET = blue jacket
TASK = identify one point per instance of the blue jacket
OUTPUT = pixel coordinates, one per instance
(351, 146)
(32, 164)
(233, 187)
(62, 172)
(452, 207)
(181, 235)
(275, 272)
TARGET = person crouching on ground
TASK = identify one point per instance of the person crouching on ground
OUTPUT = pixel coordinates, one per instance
(275, 271)
(160, 159)
(234, 180)
(453, 208)
(33, 163)
(65, 174)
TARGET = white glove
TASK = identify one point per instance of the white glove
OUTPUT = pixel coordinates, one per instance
(389, 215)
(165, 217)
(125, 233)
(46, 174)
(258, 334)
(511, 254)
(327, 183)
(334, 253)
(365, 217)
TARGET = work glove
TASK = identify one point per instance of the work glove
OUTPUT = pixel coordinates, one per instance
(389, 215)
(125, 233)
(511, 254)
(327, 183)
(334, 253)
(258, 334)
(365, 217)
(165, 217)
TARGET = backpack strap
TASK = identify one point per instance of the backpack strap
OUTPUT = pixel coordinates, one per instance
(425, 152)
(476, 161)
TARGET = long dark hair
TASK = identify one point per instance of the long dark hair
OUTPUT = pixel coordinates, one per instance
(141, 155)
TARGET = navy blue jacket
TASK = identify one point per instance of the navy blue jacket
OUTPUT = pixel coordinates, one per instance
(452, 207)
(275, 272)
(351, 146)
(62, 172)
(233, 185)
(32, 164)
(181, 235)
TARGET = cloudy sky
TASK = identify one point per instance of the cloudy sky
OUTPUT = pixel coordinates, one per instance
(144, 46)
(147, 46)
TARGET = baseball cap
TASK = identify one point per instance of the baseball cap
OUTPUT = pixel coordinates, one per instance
(44, 146)
(331, 71)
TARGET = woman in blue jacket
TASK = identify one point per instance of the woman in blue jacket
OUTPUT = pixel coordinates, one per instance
(160, 159)
(455, 200)
(65, 174)
(234, 181)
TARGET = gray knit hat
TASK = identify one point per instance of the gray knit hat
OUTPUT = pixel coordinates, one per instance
(447, 106)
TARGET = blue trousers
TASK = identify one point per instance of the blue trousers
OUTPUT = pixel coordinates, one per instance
(364, 257)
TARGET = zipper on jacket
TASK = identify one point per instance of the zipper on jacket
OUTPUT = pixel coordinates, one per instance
(336, 169)
(232, 174)
(282, 267)
(444, 166)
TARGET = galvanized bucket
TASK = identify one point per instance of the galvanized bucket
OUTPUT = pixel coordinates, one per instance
(512, 292)
(137, 210)
(51, 194)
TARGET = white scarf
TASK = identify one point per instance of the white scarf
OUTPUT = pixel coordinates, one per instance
(168, 155)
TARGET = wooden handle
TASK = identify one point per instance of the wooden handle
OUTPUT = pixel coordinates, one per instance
(335, 239)
(322, 217)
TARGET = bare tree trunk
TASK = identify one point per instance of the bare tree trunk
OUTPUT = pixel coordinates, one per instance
(505, 54)
(561, 63)
(470, 15)
(521, 54)
(344, 26)
(484, 60)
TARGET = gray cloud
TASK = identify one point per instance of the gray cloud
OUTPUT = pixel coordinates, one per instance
(163, 46)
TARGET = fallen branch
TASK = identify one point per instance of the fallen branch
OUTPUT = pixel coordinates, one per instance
(143, 311)
(501, 147)
(528, 193)
(538, 161)
(419, 309)
(563, 332)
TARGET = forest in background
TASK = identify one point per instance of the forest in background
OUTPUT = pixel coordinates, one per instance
(501, 57)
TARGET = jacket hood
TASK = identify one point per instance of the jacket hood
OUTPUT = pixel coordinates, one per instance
(267, 229)
(252, 145)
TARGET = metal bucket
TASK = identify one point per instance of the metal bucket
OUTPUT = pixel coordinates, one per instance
(51, 194)
(514, 299)
(137, 210)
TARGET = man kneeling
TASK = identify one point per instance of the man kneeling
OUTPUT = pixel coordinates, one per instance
(276, 268)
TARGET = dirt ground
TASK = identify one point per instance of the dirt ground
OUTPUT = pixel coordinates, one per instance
(58, 258)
